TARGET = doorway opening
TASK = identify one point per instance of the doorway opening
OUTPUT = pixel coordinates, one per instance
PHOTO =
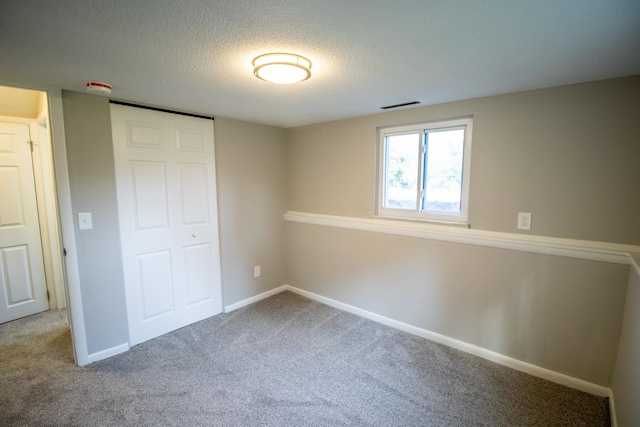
(31, 260)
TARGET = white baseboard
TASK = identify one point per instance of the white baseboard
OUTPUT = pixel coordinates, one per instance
(612, 409)
(519, 365)
(251, 300)
(100, 355)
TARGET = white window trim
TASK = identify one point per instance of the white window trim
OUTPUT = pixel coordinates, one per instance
(415, 215)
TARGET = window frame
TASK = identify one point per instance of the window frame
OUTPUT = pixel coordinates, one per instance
(421, 129)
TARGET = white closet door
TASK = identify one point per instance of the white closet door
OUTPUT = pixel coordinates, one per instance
(23, 288)
(167, 206)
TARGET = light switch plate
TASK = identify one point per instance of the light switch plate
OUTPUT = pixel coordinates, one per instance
(84, 221)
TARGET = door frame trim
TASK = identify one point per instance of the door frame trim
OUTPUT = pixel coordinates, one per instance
(48, 234)
(65, 217)
(40, 301)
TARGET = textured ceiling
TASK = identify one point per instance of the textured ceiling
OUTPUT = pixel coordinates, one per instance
(196, 55)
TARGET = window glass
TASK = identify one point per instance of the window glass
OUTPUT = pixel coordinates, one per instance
(444, 154)
(424, 170)
(403, 153)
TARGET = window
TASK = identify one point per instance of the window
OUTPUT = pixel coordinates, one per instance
(423, 170)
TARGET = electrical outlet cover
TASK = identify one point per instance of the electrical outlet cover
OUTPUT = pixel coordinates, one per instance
(524, 221)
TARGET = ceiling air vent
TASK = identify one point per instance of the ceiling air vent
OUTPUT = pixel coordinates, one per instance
(400, 105)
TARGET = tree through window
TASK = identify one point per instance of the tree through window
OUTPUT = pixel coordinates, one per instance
(424, 170)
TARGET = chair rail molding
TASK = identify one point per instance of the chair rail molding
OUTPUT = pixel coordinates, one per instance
(582, 249)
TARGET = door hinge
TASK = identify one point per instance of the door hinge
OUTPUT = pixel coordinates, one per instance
(31, 145)
(48, 297)
(64, 251)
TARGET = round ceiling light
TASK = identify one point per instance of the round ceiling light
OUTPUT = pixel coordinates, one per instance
(282, 68)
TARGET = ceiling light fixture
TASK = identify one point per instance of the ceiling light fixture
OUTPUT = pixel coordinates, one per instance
(282, 68)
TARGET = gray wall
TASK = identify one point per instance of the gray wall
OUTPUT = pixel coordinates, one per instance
(568, 154)
(87, 126)
(250, 163)
(626, 381)
(251, 167)
(559, 313)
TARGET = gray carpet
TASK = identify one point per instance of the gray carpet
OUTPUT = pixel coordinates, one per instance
(284, 361)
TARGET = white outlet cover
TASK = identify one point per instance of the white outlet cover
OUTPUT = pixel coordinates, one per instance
(524, 221)
(84, 221)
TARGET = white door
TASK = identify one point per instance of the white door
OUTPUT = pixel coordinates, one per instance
(167, 206)
(24, 290)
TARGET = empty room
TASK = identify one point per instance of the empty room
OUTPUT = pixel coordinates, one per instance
(299, 213)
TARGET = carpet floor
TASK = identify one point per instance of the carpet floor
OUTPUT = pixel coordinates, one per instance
(284, 361)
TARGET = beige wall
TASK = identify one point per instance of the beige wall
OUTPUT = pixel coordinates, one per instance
(15, 102)
(569, 155)
(252, 201)
(573, 149)
(250, 162)
(626, 381)
(559, 313)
